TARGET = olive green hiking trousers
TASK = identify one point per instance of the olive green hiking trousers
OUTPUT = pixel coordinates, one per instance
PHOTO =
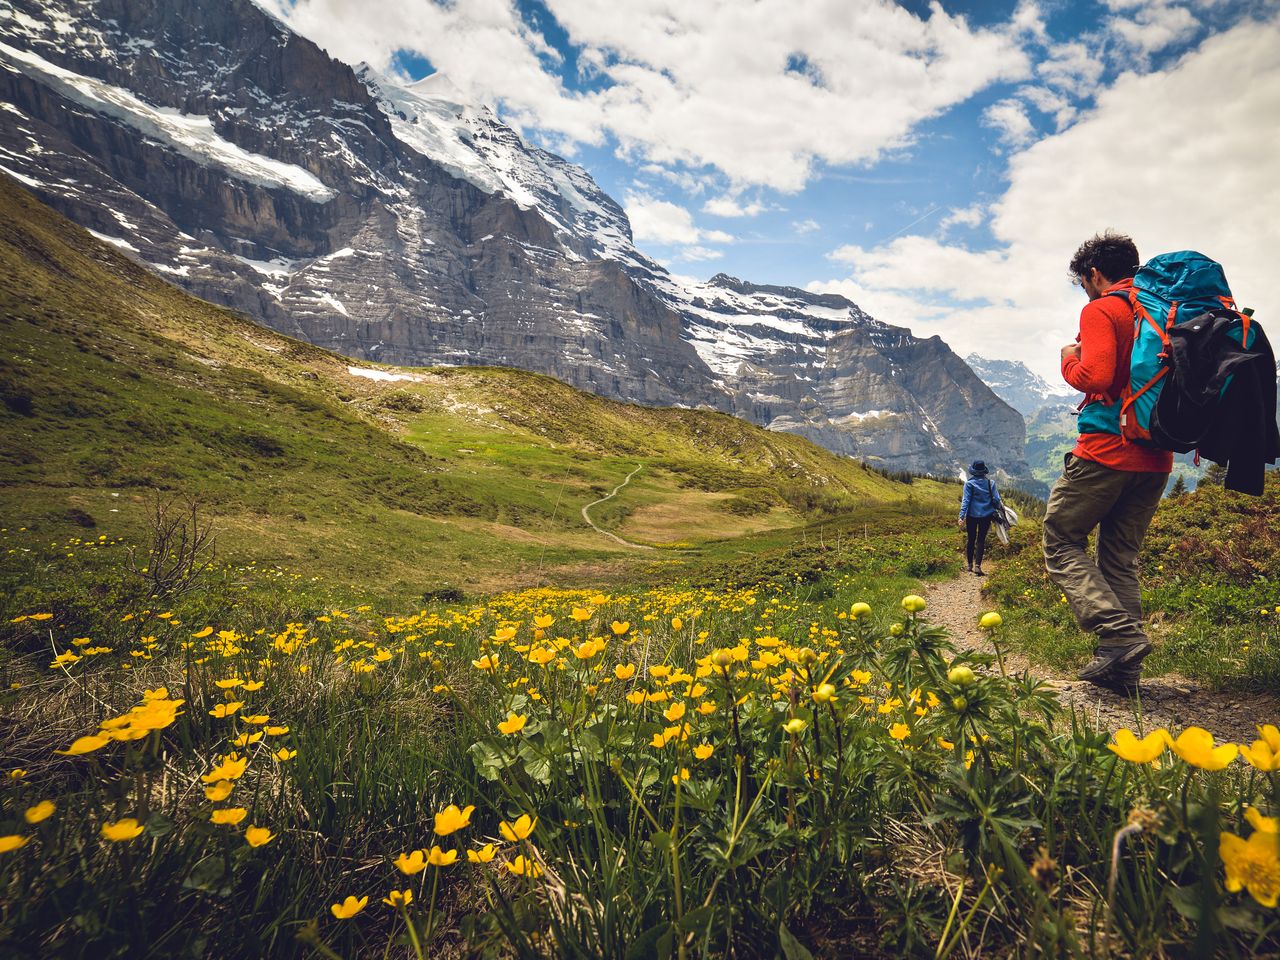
(1103, 593)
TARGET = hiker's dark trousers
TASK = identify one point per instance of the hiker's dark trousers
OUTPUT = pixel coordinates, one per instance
(975, 544)
(1103, 593)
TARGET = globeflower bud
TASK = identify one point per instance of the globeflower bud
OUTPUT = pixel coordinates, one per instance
(806, 655)
(959, 703)
(913, 603)
(860, 610)
(962, 676)
(794, 725)
(722, 658)
(824, 693)
(990, 621)
(895, 630)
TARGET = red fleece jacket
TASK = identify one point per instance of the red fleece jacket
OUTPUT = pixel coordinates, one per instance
(1101, 370)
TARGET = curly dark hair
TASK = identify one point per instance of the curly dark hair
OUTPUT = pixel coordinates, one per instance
(1114, 254)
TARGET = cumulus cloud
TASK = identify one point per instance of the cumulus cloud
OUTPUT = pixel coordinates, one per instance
(805, 226)
(1209, 192)
(762, 92)
(728, 206)
(664, 222)
(1010, 121)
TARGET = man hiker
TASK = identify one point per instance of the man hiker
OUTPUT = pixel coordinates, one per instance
(978, 504)
(1107, 483)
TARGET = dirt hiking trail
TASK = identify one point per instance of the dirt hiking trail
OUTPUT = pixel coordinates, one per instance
(1166, 701)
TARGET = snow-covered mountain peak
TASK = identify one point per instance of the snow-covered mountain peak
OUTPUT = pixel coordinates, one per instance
(1017, 385)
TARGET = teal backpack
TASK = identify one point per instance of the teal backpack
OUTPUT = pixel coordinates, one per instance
(1168, 289)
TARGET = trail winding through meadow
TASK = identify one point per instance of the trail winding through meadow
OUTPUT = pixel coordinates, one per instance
(613, 536)
(1165, 701)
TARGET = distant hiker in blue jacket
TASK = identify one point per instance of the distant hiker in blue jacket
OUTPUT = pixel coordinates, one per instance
(977, 507)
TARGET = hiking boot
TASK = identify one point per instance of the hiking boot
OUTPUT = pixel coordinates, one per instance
(1110, 663)
(1126, 683)
(978, 572)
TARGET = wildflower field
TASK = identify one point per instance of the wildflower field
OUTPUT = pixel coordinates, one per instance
(255, 764)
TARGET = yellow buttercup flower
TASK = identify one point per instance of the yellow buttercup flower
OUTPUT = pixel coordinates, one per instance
(1128, 747)
(1195, 746)
(349, 907)
(232, 767)
(224, 710)
(12, 842)
(794, 725)
(125, 829)
(1259, 822)
(542, 621)
(219, 791)
(619, 627)
(398, 898)
(488, 662)
(411, 863)
(674, 712)
(520, 829)
(85, 745)
(258, 836)
(513, 724)
(899, 731)
(284, 754)
(1252, 864)
(441, 858)
(483, 854)
(231, 815)
(451, 819)
(1261, 755)
(703, 750)
(41, 811)
(624, 671)
(523, 866)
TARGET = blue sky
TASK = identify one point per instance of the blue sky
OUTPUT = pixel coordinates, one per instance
(935, 162)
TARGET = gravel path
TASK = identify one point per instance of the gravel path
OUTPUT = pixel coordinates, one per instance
(1166, 701)
(613, 536)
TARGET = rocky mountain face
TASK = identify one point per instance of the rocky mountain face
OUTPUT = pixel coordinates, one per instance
(402, 224)
(1014, 383)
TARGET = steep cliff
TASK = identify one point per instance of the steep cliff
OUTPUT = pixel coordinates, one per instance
(406, 225)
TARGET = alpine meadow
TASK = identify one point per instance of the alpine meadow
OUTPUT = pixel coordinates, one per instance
(396, 561)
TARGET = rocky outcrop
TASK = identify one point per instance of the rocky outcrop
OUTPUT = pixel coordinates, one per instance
(405, 225)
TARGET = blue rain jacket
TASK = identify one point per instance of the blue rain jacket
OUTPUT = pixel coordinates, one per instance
(980, 498)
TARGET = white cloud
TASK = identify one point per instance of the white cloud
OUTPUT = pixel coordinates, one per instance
(1071, 67)
(695, 254)
(1010, 121)
(660, 221)
(970, 216)
(728, 206)
(701, 84)
(1209, 191)
(805, 226)
(1149, 27)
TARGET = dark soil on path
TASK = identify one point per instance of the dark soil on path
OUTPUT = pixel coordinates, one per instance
(1166, 701)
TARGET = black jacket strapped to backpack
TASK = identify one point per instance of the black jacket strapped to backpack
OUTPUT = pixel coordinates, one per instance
(1235, 428)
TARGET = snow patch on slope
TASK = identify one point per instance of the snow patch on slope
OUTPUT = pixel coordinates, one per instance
(190, 134)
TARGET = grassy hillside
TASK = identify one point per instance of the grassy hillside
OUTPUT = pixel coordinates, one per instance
(116, 385)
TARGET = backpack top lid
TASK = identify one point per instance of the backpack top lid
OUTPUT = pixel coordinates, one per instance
(1182, 276)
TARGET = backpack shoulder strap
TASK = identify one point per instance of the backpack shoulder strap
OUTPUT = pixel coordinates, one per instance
(1123, 295)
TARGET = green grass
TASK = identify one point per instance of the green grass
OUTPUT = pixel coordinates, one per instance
(117, 387)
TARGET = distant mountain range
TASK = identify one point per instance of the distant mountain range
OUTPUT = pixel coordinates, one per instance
(406, 225)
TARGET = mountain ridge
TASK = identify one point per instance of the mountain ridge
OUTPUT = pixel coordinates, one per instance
(410, 263)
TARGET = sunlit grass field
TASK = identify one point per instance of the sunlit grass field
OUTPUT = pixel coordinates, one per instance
(249, 760)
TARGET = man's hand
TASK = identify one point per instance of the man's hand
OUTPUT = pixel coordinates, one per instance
(1071, 350)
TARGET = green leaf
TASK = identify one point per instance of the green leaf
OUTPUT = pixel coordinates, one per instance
(792, 948)
(656, 942)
